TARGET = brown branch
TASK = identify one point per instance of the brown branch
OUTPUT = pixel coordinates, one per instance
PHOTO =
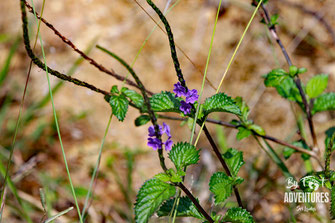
(272, 29)
(223, 163)
(229, 125)
(86, 57)
(195, 202)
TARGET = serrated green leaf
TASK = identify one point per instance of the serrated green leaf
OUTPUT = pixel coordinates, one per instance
(142, 120)
(163, 177)
(164, 102)
(220, 103)
(221, 186)
(332, 205)
(183, 154)
(316, 85)
(242, 133)
(135, 97)
(234, 160)
(238, 215)
(275, 78)
(256, 128)
(324, 102)
(185, 208)
(150, 197)
(119, 104)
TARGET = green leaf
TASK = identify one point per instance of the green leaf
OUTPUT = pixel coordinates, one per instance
(242, 133)
(238, 215)
(256, 128)
(310, 183)
(275, 77)
(163, 177)
(221, 103)
(293, 70)
(135, 97)
(150, 197)
(274, 19)
(243, 107)
(185, 208)
(289, 151)
(164, 102)
(184, 154)
(287, 89)
(119, 104)
(329, 134)
(142, 120)
(316, 85)
(324, 102)
(221, 186)
(332, 205)
(302, 70)
(234, 160)
(114, 89)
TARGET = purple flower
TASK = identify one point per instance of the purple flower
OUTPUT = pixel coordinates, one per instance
(168, 144)
(185, 107)
(154, 143)
(192, 96)
(179, 90)
(151, 131)
(166, 129)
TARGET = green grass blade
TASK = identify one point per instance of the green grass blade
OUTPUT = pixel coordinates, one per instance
(58, 215)
(96, 169)
(13, 189)
(5, 68)
(56, 121)
(205, 73)
(230, 63)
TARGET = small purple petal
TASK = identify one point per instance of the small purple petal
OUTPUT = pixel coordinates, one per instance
(154, 143)
(185, 107)
(151, 130)
(168, 144)
(179, 90)
(166, 129)
(192, 96)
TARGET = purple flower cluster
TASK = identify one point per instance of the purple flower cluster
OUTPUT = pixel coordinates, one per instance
(156, 143)
(191, 97)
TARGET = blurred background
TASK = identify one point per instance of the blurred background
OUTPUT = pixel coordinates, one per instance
(306, 28)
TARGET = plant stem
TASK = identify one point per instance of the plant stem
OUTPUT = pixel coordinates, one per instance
(223, 163)
(195, 202)
(85, 56)
(297, 80)
(146, 102)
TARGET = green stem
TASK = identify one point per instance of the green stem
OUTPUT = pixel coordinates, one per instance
(27, 44)
(96, 169)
